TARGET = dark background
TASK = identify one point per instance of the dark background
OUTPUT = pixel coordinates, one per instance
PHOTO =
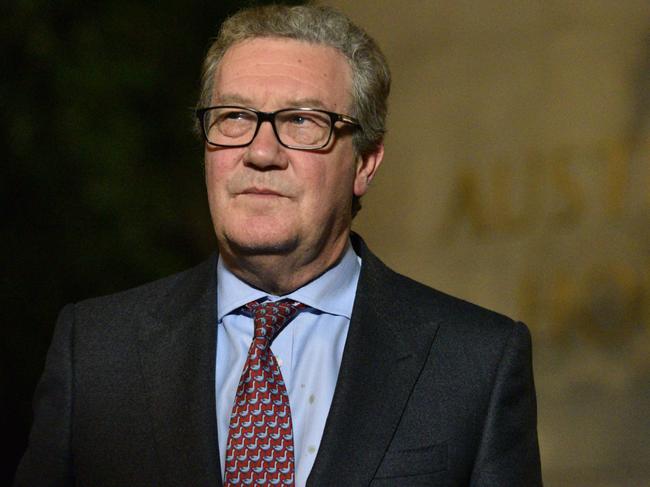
(102, 185)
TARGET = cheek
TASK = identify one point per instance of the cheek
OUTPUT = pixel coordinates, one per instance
(216, 173)
(211, 180)
(333, 185)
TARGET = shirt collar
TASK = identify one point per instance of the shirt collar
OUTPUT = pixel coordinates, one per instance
(332, 292)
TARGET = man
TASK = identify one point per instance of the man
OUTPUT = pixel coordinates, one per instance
(370, 378)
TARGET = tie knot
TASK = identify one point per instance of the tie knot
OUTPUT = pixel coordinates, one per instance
(270, 317)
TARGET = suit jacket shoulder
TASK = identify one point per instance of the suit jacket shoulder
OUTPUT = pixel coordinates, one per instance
(161, 295)
(127, 394)
(433, 389)
(428, 306)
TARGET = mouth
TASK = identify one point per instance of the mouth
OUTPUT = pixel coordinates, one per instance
(261, 193)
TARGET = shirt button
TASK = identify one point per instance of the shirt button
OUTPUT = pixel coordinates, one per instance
(280, 361)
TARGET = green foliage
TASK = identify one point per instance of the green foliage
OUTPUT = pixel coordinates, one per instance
(102, 182)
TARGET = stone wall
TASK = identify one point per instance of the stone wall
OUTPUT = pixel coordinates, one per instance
(517, 176)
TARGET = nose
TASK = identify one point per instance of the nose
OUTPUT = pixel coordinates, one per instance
(265, 152)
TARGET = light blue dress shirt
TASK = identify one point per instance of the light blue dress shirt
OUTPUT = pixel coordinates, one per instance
(308, 350)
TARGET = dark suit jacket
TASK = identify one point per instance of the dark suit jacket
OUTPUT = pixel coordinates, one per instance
(432, 391)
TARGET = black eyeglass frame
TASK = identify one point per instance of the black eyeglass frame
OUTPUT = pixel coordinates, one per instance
(270, 117)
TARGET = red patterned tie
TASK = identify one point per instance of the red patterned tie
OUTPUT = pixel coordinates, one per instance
(260, 439)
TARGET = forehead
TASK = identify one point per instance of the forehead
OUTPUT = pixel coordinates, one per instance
(273, 73)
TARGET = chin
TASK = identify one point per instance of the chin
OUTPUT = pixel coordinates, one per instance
(261, 245)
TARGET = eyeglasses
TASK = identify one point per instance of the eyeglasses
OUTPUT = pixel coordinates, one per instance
(295, 128)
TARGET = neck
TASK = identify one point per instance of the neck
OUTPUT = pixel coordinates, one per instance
(281, 274)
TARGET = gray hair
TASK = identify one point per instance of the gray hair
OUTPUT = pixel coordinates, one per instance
(316, 25)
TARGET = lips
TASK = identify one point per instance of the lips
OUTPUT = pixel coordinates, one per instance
(261, 192)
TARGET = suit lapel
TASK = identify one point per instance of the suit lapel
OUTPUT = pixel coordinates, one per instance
(178, 356)
(383, 357)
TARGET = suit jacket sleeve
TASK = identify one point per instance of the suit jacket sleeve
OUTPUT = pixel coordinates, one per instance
(508, 453)
(47, 460)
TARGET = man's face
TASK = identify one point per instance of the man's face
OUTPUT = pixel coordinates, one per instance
(266, 198)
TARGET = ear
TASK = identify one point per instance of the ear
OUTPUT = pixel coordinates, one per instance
(366, 169)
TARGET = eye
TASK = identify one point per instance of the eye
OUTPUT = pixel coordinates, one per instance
(234, 115)
(306, 119)
(300, 119)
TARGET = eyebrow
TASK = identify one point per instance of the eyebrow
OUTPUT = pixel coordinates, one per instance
(232, 98)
